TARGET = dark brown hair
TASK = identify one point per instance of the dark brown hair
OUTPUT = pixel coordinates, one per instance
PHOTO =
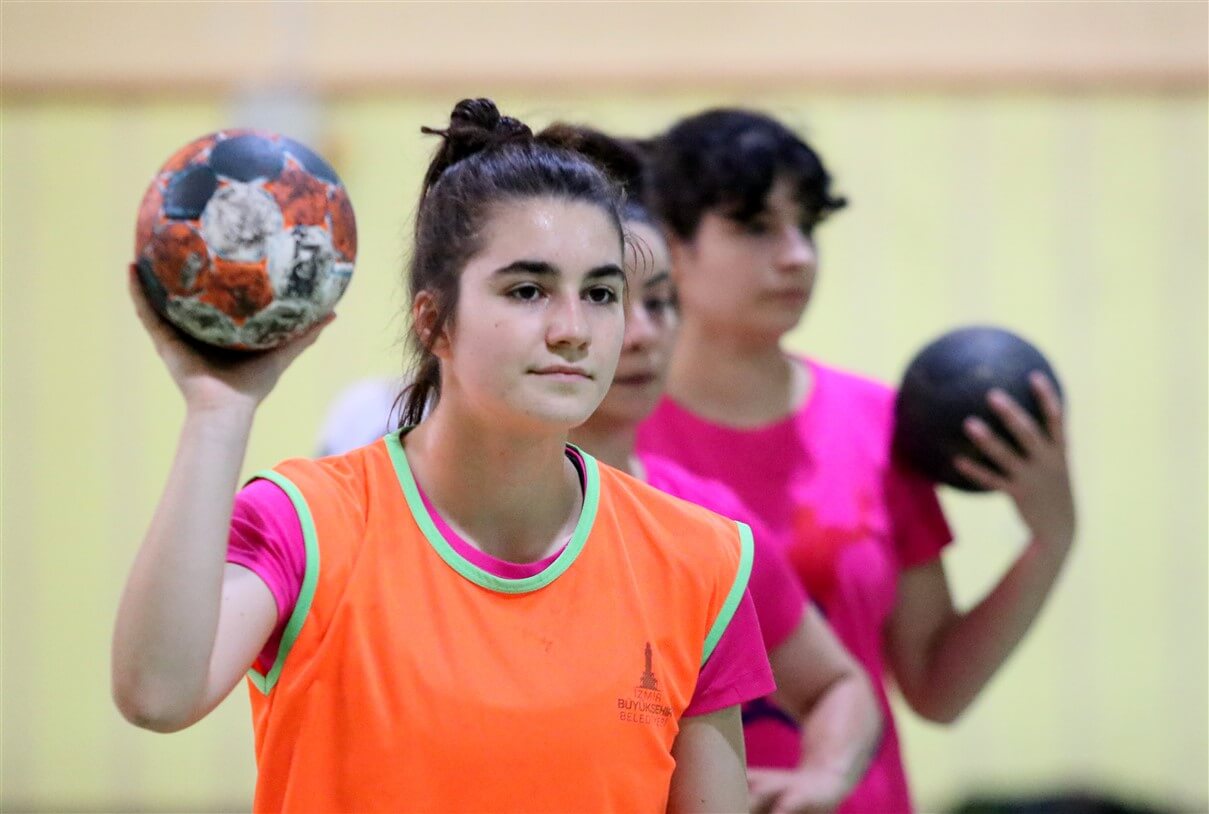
(728, 160)
(625, 161)
(622, 159)
(484, 159)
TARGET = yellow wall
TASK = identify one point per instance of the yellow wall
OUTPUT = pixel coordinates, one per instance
(1078, 219)
(349, 46)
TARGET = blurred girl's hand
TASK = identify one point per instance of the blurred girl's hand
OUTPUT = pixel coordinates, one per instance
(1037, 479)
(795, 791)
(209, 381)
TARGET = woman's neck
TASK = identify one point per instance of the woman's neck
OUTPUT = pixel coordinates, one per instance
(732, 380)
(612, 442)
(513, 495)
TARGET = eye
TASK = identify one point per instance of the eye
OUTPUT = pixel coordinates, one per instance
(658, 307)
(757, 227)
(810, 220)
(601, 295)
(525, 292)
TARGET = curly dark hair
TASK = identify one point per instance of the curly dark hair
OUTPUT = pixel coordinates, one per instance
(727, 160)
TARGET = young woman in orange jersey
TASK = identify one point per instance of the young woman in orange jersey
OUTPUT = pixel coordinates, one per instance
(469, 614)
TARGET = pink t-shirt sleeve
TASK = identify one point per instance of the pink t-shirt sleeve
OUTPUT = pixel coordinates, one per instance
(738, 670)
(919, 530)
(266, 538)
(778, 595)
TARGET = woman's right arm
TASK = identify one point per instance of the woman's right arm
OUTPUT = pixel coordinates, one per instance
(189, 624)
(710, 760)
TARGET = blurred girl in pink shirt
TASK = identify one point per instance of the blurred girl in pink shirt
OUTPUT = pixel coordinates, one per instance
(806, 447)
(813, 756)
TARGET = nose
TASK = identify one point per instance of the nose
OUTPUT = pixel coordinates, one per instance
(797, 251)
(568, 324)
(640, 330)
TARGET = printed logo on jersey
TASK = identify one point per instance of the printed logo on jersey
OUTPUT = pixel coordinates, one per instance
(647, 704)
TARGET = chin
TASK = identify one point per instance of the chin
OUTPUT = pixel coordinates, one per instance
(563, 414)
(777, 324)
(766, 319)
(766, 332)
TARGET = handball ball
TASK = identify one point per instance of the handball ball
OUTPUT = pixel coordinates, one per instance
(949, 380)
(245, 239)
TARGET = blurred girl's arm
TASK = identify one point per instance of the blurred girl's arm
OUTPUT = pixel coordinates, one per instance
(941, 658)
(820, 683)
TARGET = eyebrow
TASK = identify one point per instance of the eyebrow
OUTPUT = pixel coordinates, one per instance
(661, 277)
(540, 268)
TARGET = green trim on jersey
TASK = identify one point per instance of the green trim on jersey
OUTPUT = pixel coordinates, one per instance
(310, 579)
(468, 569)
(746, 552)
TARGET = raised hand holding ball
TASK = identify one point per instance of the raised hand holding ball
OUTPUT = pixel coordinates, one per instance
(245, 239)
(948, 382)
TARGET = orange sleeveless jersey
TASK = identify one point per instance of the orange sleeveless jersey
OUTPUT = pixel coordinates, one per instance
(409, 679)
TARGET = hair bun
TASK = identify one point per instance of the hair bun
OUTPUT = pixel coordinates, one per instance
(482, 115)
(477, 113)
(510, 129)
(475, 125)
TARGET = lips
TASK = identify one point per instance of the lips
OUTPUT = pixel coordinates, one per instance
(562, 371)
(788, 294)
(634, 379)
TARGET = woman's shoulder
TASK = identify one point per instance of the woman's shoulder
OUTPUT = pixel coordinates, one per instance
(666, 521)
(850, 385)
(844, 402)
(667, 476)
(348, 475)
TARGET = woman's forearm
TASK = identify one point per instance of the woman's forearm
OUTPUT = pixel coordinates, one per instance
(166, 623)
(967, 649)
(841, 732)
(827, 691)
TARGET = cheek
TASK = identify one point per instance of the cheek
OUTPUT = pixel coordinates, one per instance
(608, 340)
(717, 284)
(481, 345)
(747, 264)
(731, 265)
(614, 332)
(665, 341)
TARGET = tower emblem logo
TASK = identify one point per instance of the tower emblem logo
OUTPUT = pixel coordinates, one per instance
(647, 704)
(648, 680)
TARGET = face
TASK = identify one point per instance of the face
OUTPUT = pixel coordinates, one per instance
(650, 331)
(752, 279)
(537, 331)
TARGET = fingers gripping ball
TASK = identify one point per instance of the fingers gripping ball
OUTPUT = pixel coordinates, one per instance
(948, 381)
(245, 239)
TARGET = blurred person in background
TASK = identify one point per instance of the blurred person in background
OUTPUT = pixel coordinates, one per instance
(806, 447)
(416, 633)
(360, 414)
(835, 720)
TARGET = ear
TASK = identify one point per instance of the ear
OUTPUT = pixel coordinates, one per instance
(424, 320)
